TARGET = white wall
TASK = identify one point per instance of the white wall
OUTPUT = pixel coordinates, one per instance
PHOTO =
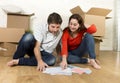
(117, 24)
(42, 8)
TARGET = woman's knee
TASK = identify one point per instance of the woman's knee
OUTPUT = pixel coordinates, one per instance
(87, 35)
(72, 59)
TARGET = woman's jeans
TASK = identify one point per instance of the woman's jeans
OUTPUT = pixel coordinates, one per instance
(87, 46)
(26, 46)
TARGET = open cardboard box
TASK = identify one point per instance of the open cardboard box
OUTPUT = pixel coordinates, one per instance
(95, 16)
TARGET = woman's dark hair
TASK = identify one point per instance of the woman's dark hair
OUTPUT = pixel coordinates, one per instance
(54, 18)
(80, 21)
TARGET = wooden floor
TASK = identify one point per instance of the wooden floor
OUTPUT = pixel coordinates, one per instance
(110, 72)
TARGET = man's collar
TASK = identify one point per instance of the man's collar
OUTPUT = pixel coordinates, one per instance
(47, 27)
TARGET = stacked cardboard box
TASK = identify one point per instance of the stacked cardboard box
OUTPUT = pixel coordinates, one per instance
(11, 34)
(95, 16)
(19, 20)
(7, 49)
(17, 24)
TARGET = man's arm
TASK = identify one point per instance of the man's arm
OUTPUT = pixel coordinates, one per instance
(41, 64)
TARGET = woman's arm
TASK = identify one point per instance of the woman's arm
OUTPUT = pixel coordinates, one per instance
(91, 29)
(64, 50)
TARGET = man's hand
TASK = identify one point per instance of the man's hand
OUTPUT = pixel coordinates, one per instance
(41, 66)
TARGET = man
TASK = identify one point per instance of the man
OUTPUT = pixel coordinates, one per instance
(39, 45)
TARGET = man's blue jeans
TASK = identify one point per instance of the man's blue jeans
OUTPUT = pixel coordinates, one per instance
(87, 46)
(26, 46)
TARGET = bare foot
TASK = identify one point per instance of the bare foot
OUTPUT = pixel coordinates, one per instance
(94, 63)
(13, 62)
(97, 61)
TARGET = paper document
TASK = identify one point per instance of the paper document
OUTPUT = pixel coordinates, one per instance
(79, 70)
(58, 71)
(68, 71)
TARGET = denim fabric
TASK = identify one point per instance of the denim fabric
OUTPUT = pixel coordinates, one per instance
(87, 46)
(26, 46)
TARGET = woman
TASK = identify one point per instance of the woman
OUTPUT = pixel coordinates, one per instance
(77, 41)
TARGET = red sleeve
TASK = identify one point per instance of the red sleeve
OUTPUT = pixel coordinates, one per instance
(92, 29)
(64, 47)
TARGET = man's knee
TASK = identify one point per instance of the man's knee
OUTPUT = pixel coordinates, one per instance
(52, 62)
(28, 37)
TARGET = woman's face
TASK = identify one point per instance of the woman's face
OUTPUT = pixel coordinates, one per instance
(73, 25)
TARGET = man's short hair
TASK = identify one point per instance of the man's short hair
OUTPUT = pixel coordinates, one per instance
(54, 18)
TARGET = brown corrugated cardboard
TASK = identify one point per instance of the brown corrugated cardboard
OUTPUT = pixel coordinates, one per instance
(97, 44)
(11, 34)
(19, 20)
(95, 16)
(7, 49)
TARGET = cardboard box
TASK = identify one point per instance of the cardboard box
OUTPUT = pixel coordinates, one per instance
(95, 16)
(19, 20)
(7, 49)
(97, 45)
(11, 34)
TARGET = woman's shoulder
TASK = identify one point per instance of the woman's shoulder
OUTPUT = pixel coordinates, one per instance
(65, 29)
(65, 32)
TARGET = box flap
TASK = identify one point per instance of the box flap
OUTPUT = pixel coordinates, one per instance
(98, 38)
(76, 10)
(20, 14)
(99, 11)
(108, 17)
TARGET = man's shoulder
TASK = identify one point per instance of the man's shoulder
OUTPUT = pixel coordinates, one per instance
(42, 27)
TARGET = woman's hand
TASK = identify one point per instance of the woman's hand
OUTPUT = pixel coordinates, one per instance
(63, 64)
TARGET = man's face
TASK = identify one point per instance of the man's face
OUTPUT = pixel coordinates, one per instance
(54, 28)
